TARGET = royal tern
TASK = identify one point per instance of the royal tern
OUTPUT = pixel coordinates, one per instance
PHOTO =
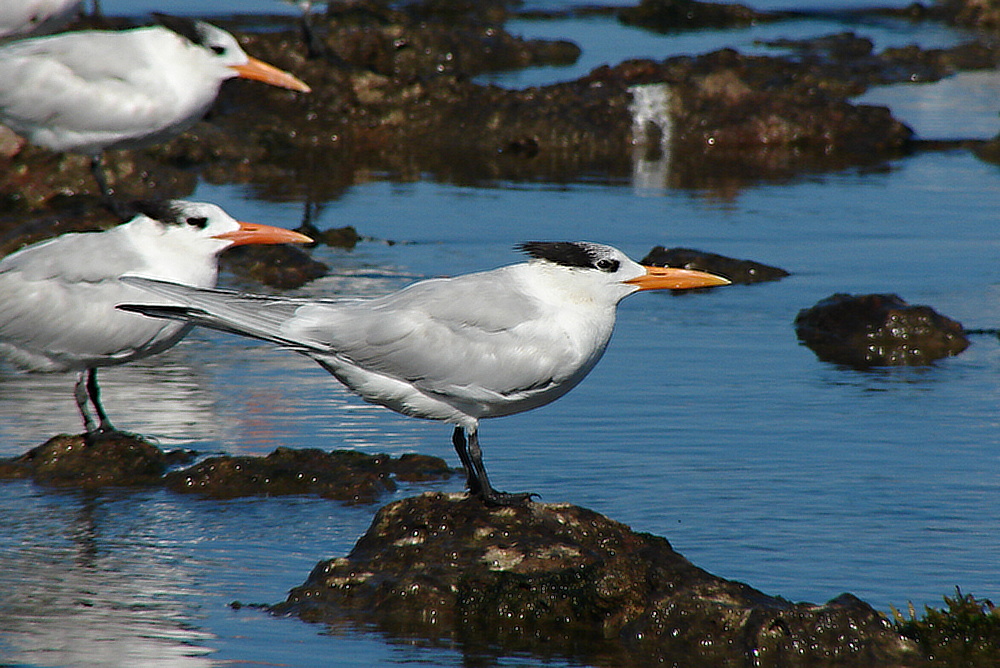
(90, 91)
(456, 349)
(58, 297)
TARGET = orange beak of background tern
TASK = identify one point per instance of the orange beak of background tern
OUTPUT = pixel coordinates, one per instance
(671, 278)
(258, 70)
(251, 233)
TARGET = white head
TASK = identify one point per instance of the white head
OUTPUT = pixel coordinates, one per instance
(220, 49)
(177, 237)
(597, 272)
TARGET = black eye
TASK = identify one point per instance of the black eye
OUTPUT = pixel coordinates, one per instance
(219, 50)
(201, 222)
(604, 264)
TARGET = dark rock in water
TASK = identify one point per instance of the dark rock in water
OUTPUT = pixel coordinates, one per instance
(878, 330)
(338, 237)
(120, 459)
(737, 271)
(989, 151)
(281, 266)
(112, 460)
(560, 580)
(343, 475)
(677, 15)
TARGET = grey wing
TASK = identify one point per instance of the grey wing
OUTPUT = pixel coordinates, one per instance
(68, 84)
(80, 256)
(439, 335)
(466, 335)
(49, 323)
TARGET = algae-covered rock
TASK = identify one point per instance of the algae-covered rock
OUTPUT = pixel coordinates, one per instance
(115, 459)
(342, 475)
(557, 579)
(878, 330)
(119, 459)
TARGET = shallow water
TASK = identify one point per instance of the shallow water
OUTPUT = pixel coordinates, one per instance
(705, 423)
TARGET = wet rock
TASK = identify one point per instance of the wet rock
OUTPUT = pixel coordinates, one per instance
(123, 459)
(433, 38)
(336, 237)
(34, 178)
(559, 580)
(676, 15)
(983, 14)
(280, 266)
(989, 151)
(342, 475)
(737, 271)
(878, 330)
(113, 460)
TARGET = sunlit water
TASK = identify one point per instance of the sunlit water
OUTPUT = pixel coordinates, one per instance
(705, 423)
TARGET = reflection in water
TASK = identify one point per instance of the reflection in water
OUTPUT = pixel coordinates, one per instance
(163, 397)
(652, 132)
(89, 588)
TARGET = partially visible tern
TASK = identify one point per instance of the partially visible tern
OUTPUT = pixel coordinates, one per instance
(451, 349)
(20, 17)
(58, 297)
(94, 90)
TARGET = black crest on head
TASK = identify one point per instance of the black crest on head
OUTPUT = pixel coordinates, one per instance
(183, 26)
(163, 210)
(566, 253)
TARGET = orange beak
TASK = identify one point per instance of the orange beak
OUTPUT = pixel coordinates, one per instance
(258, 70)
(670, 278)
(251, 233)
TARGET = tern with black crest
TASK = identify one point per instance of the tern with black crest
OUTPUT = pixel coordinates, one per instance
(95, 90)
(457, 350)
(58, 297)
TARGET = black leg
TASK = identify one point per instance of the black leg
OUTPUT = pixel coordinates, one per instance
(471, 481)
(94, 392)
(80, 393)
(107, 193)
(86, 391)
(478, 482)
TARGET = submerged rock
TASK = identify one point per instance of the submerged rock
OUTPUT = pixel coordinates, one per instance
(121, 459)
(737, 271)
(557, 579)
(342, 475)
(282, 266)
(878, 330)
(677, 15)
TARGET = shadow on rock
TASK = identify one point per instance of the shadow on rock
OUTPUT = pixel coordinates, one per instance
(864, 331)
(124, 460)
(560, 580)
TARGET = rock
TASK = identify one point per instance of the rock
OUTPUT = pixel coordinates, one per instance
(342, 475)
(113, 460)
(878, 330)
(737, 271)
(281, 266)
(677, 15)
(989, 151)
(983, 14)
(560, 580)
(123, 459)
